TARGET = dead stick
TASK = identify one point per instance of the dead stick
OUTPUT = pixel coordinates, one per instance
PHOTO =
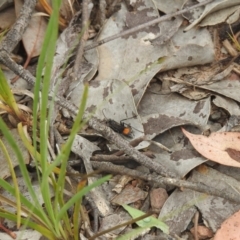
(196, 186)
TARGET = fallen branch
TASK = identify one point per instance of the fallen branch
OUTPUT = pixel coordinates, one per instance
(195, 186)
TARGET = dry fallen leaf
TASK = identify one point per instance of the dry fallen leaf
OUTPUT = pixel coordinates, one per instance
(230, 228)
(34, 35)
(222, 147)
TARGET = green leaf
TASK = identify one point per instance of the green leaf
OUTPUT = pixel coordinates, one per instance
(146, 222)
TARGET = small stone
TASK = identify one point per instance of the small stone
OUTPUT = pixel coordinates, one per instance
(158, 197)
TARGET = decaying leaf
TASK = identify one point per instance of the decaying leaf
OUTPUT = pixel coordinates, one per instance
(230, 228)
(198, 14)
(222, 147)
(34, 35)
(181, 206)
(173, 111)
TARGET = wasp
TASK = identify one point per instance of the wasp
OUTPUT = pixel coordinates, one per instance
(123, 128)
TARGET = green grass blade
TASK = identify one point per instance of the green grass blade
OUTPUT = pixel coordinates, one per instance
(45, 60)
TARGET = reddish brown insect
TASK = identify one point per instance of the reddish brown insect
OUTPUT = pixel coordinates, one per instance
(123, 128)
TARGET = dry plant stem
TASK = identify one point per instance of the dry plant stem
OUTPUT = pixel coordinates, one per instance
(196, 218)
(196, 186)
(95, 213)
(18, 69)
(6, 230)
(231, 61)
(6, 60)
(120, 225)
(133, 143)
(77, 68)
(112, 7)
(111, 158)
(102, 8)
(145, 25)
(85, 221)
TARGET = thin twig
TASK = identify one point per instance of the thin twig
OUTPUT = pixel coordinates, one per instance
(133, 143)
(95, 213)
(134, 220)
(113, 7)
(111, 158)
(102, 9)
(16, 68)
(145, 25)
(77, 68)
(196, 218)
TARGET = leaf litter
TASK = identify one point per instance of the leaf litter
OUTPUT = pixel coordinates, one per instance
(128, 79)
(220, 147)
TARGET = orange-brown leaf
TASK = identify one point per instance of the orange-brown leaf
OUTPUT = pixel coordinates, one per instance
(230, 228)
(222, 147)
